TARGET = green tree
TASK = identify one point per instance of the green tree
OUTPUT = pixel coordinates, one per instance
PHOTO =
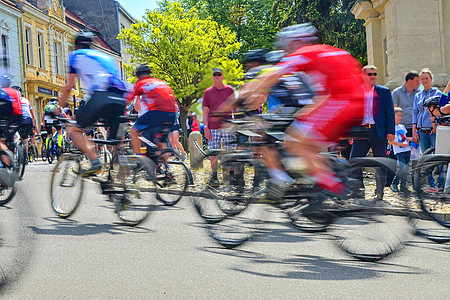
(333, 19)
(181, 47)
(253, 21)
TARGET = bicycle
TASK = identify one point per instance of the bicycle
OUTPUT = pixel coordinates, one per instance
(361, 227)
(9, 171)
(173, 176)
(32, 152)
(129, 182)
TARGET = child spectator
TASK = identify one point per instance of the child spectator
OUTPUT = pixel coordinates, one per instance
(402, 151)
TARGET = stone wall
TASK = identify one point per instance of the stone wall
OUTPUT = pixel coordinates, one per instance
(404, 35)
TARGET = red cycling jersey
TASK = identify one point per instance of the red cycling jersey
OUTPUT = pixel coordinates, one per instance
(16, 103)
(337, 74)
(156, 94)
(335, 71)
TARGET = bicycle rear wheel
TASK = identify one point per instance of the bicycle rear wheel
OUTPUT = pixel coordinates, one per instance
(172, 177)
(44, 152)
(19, 159)
(67, 186)
(367, 229)
(8, 191)
(136, 198)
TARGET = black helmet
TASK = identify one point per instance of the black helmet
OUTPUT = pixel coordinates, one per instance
(257, 55)
(17, 88)
(273, 57)
(84, 38)
(432, 101)
(143, 69)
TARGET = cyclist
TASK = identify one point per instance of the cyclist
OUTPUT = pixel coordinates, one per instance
(16, 117)
(158, 100)
(28, 120)
(337, 78)
(105, 90)
(6, 112)
(51, 123)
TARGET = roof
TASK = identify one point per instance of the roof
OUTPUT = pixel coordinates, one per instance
(126, 13)
(78, 24)
(9, 3)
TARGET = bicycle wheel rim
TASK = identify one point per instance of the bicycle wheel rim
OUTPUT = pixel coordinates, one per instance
(66, 187)
(175, 177)
(7, 193)
(135, 204)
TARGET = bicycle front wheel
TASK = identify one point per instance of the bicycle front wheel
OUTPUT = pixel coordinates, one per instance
(44, 152)
(66, 187)
(7, 191)
(135, 198)
(172, 177)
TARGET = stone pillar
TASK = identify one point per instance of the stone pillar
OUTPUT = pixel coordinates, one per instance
(196, 157)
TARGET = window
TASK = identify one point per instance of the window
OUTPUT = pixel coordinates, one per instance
(28, 46)
(41, 51)
(5, 52)
(58, 64)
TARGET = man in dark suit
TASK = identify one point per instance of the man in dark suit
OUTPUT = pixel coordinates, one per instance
(378, 125)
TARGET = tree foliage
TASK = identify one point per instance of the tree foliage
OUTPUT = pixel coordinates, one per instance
(336, 24)
(253, 21)
(181, 48)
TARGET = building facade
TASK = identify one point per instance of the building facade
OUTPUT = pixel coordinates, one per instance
(404, 35)
(9, 42)
(109, 17)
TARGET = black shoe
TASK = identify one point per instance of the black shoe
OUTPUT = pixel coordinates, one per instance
(214, 182)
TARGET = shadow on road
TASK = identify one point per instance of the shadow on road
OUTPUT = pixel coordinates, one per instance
(74, 228)
(310, 267)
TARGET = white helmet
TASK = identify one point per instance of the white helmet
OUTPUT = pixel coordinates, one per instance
(305, 31)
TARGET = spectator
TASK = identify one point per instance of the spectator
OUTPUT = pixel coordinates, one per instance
(424, 131)
(195, 122)
(376, 127)
(403, 97)
(213, 98)
(402, 151)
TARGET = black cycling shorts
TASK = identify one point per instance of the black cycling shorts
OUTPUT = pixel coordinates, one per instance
(102, 105)
(25, 130)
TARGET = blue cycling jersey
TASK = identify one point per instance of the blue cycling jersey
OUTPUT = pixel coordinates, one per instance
(97, 70)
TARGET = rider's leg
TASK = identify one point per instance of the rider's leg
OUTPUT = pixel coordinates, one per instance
(135, 142)
(83, 144)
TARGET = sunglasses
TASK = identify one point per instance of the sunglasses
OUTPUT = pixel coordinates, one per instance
(217, 74)
(372, 74)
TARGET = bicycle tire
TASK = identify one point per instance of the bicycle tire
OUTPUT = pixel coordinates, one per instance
(435, 206)
(7, 193)
(44, 152)
(66, 186)
(50, 156)
(136, 200)
(176, 177)
(36, 154)
(19, 159)
(363, 228)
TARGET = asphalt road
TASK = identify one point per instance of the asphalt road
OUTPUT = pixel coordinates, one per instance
(92, 256)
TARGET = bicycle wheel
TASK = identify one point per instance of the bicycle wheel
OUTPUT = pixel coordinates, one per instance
(19, 159)
(67, 186)
(367, 229)
(172, 177)
(44, 152)
(50, 155)
(7, 191)
(435, 206)
(135, 190)
(36, 154)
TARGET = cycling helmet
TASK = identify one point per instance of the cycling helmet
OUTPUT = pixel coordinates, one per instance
(143, 69)
(84, 38)
(53, 100)
(5, 80)
(432, 101)
(17, 88)
(257, 55)
(305, 31)
(273, 57)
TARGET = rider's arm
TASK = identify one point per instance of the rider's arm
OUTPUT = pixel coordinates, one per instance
(32, 117)
(66, 89)
(205, 116)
